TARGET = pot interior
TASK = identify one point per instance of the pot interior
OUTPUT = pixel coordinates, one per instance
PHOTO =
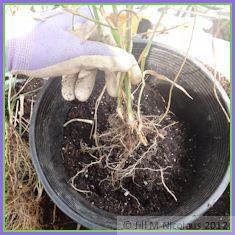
(203, 113)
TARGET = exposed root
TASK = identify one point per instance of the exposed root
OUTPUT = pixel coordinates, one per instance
(130, 194)
(79, 120)
(165, 186)
(81, 172)
(121, 152)
(94, 126)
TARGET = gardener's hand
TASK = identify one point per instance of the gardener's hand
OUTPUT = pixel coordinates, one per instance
(52, 46)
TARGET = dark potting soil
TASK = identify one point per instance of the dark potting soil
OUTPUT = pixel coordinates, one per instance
(175, 150)
(55, 219)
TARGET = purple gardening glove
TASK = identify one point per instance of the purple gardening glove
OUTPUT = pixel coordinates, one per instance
(49, 47)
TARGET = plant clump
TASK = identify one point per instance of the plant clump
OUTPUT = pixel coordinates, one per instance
(132, 136)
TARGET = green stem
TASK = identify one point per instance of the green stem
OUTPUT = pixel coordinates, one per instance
(113, 28)
(119, 96)
(128, 29)
(96, 15)
(128, 47)
(128, 97)
(143, 57)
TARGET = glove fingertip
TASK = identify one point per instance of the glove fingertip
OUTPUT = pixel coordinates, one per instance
(112, 84)
(135, 74)
(85, 84)
(67, 87)
(68, 96)
(80, 96)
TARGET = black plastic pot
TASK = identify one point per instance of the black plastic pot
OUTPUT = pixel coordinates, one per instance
(203, 113)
